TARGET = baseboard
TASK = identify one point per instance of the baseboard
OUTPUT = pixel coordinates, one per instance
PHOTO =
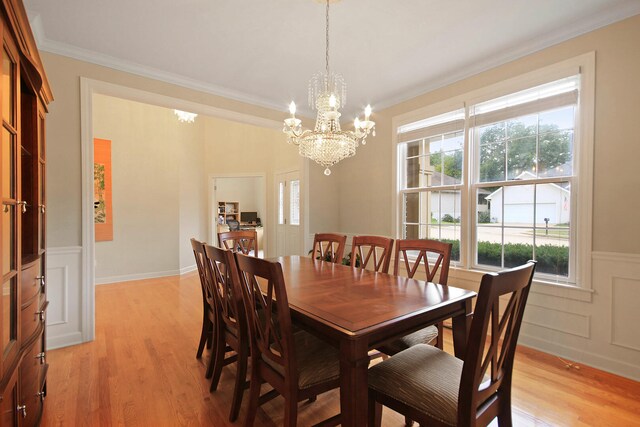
(188, 269)
(579, 355)
(66, 340)
(138, 276)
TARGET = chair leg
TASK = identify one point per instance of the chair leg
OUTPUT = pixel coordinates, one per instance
(290, 412)
(210, 336)
(254, 395)
(375, 413)
(440, 338)
(312, 399)
(504, 415)
(241, 379)
(217, 358)
(204, 335)
(408, 422)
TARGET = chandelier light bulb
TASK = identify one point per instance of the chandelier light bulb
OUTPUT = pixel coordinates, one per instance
(292, 109)
(367, 112)
(356, 123)
(332, 101)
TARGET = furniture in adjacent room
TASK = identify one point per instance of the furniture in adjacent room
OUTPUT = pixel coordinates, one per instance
(24, 96)
(328, 299)
(298, 366)
(227, 211)
(329, 247)
(432, 387)
(434, 256)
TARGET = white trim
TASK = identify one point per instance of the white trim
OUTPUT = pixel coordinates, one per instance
(582, 186)
(85, 55)
(138, 276)
(64, 250)
(65, 296)
(188, 269)
(536, 44)
(124, 92)
(598, 361)
(66, 340)
(616, 257)
(87, 288)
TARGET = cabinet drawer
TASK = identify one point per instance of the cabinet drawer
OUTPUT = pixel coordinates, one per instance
(31, 317)
(32, 378)
(33, 364)
(31, 283)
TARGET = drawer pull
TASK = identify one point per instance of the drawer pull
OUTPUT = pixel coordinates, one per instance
(43, 208)
(23, 409)
(24, 205)
(41, 279)
(41, 356)
(41, 315)
(41, 395)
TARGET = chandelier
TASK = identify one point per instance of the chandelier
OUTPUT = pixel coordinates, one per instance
(185, 116)
(327, 143)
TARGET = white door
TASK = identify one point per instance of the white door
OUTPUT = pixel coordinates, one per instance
(288, 218)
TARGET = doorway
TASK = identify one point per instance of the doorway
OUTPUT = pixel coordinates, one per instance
(289, 213)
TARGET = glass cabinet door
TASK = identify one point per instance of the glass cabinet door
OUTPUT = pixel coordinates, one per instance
(11, 207)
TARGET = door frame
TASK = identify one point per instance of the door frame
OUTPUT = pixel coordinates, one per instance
(89, 87)
(263, 209)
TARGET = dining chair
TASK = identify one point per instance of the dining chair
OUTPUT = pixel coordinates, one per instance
(413, 254)
(378, 250)
(329, 247)
(243, 241)
(433, 387)
(208, 313)
(231, 327)
(298, 366)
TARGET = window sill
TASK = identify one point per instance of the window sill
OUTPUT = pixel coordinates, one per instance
(538, 286)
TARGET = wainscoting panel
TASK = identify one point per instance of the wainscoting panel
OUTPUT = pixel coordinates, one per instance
(64, 273)
(625, 295)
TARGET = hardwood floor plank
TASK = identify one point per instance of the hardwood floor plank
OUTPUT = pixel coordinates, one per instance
(141, 370)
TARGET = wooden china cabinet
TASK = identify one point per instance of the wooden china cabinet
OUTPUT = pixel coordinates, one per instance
(24, 95)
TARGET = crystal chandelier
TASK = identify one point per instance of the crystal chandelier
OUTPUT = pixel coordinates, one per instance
(185, 116)
(327, 144)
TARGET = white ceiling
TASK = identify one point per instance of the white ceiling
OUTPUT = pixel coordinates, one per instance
(264, 52)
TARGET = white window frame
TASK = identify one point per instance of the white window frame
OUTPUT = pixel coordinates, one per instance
(582, 184)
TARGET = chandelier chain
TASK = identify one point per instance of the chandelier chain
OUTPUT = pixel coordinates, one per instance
(327, 40)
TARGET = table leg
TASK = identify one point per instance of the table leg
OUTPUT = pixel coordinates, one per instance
(354, 361)
(461, 325)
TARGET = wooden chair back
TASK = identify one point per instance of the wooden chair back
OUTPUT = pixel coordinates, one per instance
(243, 241)
(424, 248)
(268, 315)
(199, 253)
(378, 250)
(329, 247)
(485, 385)
(223, 273)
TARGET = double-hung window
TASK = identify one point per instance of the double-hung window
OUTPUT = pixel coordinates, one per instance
(498, 178)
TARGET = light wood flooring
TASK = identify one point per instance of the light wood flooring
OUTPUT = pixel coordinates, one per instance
(141, 370)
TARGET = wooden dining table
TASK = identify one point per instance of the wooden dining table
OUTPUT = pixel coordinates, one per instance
(357, 310)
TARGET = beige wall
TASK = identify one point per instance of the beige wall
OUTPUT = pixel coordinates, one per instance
(159, 197)
(63, 135)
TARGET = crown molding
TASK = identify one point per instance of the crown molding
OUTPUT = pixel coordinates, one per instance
(627, 10)
(81, 54)
(577, 28)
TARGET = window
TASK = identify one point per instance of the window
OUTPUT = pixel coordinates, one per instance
(498, 177)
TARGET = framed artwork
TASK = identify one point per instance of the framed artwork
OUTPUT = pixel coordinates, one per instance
(102, 208)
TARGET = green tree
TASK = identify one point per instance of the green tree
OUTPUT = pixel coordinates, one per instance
(519, 153)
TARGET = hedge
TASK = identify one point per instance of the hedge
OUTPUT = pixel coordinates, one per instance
(551, 259)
